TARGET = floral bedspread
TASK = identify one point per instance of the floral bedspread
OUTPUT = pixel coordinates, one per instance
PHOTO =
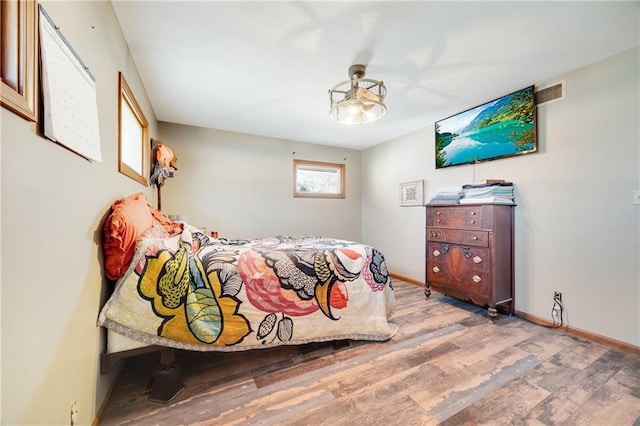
(197, 293)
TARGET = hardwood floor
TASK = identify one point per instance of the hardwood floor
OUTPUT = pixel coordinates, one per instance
(447, 364)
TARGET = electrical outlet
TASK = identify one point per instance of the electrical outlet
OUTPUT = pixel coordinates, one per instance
(74, 413)
(557, 296)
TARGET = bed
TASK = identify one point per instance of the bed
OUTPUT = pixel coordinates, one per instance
(179, 288)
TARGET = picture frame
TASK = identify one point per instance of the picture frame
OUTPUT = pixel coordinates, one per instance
(412, 193)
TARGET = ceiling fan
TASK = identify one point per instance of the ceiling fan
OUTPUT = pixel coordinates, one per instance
(358, 100)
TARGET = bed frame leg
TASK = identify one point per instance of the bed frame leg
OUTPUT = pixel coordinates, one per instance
(166, 381)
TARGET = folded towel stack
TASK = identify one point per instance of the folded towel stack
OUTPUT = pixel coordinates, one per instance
(501, 193)
(451, 195)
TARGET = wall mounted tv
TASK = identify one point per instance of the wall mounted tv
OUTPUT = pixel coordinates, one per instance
(501, 128)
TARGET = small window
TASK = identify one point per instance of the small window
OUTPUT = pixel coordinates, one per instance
(133, 136)
(313, 179)
(19, 56)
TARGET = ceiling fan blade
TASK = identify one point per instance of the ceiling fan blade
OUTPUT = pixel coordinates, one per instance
(363, 93)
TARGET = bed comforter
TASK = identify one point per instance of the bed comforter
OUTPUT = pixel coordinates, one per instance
(196, 293)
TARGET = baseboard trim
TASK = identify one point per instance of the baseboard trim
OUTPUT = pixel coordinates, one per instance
(597, 338)
(406, 279)
(107, 398)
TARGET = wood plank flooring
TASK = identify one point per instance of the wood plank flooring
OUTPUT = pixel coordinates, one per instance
(448, 364)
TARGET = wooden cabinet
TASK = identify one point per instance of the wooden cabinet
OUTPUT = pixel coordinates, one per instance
(470, 253)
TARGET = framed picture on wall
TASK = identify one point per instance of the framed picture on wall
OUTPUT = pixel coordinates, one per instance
(412, 193)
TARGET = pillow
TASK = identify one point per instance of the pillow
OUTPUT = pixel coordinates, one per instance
(129, 218)
(172, 228)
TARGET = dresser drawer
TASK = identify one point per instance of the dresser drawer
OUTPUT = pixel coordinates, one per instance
(468, 217)
(455, 266)
(458, 236)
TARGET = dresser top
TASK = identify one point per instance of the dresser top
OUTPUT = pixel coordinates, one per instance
(469, 205)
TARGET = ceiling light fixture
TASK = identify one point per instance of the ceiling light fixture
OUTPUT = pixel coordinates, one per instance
(358, 100)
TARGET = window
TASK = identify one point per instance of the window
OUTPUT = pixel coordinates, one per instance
(313, 179)
(133, 136)
(18, 56)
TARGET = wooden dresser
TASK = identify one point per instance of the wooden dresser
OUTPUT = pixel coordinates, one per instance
(470, 253)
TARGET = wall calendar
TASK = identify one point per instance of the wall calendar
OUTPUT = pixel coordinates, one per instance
(70, 111)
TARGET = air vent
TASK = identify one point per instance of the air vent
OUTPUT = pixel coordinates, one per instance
(550, 93)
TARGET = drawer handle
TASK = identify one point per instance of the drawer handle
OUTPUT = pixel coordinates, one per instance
(437, 220)
(436, 269)
(475, 238)
(434, 234)
(477, 259)
(473, 213)
(438, 213)
(473, 221)
(436, 253)
(476, 279)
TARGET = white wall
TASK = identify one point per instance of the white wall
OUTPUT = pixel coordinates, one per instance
(53, 205)
(577, 230)
(242, 185)
(398, 232)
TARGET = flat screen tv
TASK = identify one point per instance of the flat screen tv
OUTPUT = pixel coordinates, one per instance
(501, 128)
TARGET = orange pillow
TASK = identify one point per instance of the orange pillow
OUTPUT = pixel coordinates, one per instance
(129, 218)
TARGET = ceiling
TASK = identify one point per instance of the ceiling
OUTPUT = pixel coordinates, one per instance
(264, 68)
